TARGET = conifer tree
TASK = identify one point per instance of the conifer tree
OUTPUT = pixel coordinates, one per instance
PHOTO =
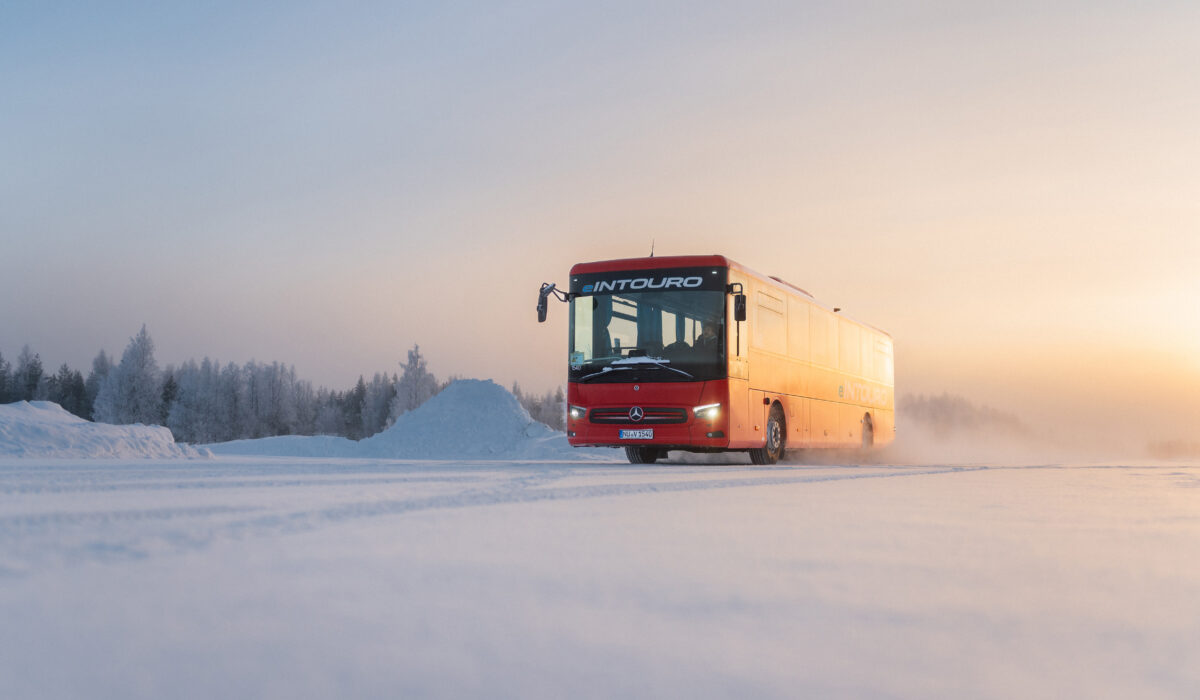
(28, 375)
(101, 366)
(132, 392)
(5, 381)
(352, 410)
(66, 389)
(170, 390)
(558, 411)
(377, 403)
(328, 420)
(78, 394)
(416, 386)
(183, 415)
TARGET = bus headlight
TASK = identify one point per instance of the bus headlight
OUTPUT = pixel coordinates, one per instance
(577, 412)
(708, 411)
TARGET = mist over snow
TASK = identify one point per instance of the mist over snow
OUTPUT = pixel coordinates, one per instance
(947, 429)
(45, 429)
(469, 419)
(951, 429)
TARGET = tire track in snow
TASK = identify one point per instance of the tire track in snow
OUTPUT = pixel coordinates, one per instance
(222, 483)
(23, 525)
(522, 493)
(266, 507)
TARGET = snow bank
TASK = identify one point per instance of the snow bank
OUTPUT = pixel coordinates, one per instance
(470, 419)
(45, 429)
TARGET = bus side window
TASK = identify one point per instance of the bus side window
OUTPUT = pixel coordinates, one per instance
(824, 337)
(868, 356)
(770, 324)
(850, 347)
(798, 330)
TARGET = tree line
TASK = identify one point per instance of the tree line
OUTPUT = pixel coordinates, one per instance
(203, 402)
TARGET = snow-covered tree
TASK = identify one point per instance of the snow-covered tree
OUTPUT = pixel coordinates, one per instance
(132, 392)
(270, 392)
(549, 408)
(557, 411)
(328, 419)
(28, 375)
(256, 400)
(377, 402)
(105, 408)
(305, 416)
(101, 366)
(248, 396)
(197, 414)
(170, 389)
(352, 410)
(66, 388)
(6, 380)
(183, 413)
(415, 386)
(229, 400)
(206, 402)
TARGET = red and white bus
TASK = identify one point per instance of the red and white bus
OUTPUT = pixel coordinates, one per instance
(699, 353)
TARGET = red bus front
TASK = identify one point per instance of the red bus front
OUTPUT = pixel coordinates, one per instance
(647, 363)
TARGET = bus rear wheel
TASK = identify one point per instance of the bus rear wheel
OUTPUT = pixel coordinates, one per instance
(868, 432)
(772, 452)
(642, 455)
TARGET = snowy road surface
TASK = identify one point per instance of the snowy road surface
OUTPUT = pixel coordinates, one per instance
(290, 578)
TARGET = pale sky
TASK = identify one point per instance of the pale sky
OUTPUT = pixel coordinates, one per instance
(1011, 189)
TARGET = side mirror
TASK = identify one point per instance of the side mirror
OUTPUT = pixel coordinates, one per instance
(739, 307)
(544, 293)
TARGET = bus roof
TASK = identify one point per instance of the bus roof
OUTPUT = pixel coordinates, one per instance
(652, 263)
(697, 261)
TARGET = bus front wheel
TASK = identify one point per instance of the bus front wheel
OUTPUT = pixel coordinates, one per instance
(642, 455)
(772, 452)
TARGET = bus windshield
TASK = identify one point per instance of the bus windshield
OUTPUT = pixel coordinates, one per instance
(668, 336)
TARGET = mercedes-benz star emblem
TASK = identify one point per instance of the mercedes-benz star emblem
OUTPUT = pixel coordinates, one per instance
(636, 413)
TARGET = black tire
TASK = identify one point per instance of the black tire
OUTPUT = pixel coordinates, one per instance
(642, 455)
(868, 432)
(772, 452)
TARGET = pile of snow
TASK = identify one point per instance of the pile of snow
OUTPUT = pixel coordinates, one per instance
(45, 429)
(470, 419)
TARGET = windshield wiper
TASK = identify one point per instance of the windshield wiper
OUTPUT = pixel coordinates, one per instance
(635, 363)
(603, 370)
(659, 362)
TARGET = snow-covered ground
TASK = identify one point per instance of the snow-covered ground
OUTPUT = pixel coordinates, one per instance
(296, 578)
(495, 561)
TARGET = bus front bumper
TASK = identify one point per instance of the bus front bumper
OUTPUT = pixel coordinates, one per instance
(695, 434)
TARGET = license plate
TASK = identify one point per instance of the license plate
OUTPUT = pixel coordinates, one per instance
(647, 434)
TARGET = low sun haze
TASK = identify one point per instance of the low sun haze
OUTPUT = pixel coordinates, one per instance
(1011, 190)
